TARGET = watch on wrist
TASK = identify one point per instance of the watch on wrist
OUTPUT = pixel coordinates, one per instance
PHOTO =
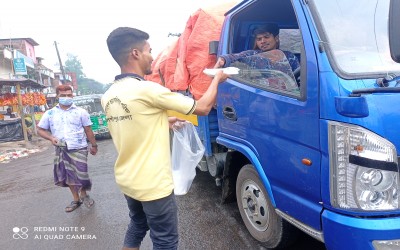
(94, 145)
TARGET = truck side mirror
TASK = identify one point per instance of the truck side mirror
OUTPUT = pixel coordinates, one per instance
(394, 30)
(213, 47)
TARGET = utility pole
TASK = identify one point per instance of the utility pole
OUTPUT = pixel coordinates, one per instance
(59, 60)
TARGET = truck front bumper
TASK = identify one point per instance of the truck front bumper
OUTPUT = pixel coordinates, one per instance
(345, 232)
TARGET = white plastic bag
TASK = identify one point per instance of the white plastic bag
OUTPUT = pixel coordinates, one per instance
(187, 151)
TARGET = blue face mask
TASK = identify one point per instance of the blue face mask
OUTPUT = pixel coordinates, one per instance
(66, 101)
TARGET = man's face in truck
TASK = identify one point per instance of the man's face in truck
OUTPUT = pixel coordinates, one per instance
(267, 41)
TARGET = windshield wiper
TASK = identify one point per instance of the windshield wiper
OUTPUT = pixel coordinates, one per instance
(358, 92)
(384, 81)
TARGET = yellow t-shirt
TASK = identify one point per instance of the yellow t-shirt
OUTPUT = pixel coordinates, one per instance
(137, 119)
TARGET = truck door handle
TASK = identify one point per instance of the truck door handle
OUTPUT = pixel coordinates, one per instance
(229, 113)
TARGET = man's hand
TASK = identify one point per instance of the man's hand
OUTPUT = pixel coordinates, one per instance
(220, 76)
(93, 150)
(91, 138)
(220, 63)
(172, 120)
(53, 140)
(46, 135)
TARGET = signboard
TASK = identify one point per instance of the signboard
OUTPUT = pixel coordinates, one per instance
(19, 66)
(28, 61)
(7, 53)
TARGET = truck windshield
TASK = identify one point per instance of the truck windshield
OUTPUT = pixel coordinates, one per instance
(356, 35)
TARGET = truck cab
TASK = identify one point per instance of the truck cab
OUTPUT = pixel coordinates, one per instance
(314, 149)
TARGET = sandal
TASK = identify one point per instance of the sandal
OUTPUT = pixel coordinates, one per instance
(74, 205)
(87, 201)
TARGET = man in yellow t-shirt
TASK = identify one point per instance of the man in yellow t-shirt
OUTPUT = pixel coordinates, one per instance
(137, 118)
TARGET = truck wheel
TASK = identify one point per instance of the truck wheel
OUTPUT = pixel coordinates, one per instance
(258, 213)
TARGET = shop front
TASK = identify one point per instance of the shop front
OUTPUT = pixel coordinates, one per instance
(21, 105)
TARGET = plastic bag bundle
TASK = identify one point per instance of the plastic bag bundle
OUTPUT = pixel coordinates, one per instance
(187, 151)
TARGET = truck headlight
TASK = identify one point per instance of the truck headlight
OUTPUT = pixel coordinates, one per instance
(364, 171)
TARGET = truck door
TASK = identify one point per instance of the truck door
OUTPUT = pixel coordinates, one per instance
(274, 110)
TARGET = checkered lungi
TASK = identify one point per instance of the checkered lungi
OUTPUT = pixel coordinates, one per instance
(71, 169)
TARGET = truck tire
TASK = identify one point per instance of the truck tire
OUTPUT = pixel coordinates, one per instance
(258, 213)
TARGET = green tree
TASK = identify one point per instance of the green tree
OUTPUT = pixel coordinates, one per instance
(86, 86)
(107, 86)
(74, 65)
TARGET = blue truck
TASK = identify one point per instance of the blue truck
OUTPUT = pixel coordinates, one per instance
(317, 149)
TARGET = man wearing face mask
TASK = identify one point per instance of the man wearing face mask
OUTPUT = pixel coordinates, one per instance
(70, 129)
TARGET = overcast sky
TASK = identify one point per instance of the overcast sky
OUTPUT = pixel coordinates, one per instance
(81, 27)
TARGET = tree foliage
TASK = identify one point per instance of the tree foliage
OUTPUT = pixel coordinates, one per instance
(107, 86)
(73, 64)
(86, 86)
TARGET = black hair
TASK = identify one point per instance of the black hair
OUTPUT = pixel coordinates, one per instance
(122, 40)
(271, 28)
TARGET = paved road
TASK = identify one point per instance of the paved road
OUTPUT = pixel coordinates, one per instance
(31, 203)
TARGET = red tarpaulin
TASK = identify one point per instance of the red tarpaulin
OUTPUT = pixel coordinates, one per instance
(180, 66)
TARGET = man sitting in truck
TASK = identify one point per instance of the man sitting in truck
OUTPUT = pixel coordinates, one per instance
(266, 39)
